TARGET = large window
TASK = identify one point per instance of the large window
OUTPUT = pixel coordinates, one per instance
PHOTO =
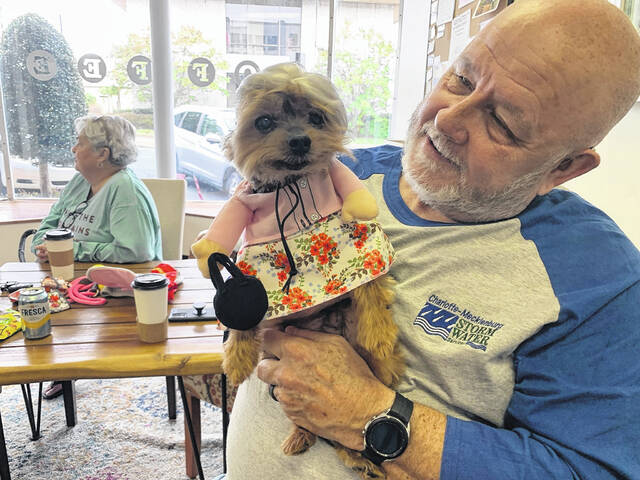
(60, 60)
(364, 60)
(55, 67)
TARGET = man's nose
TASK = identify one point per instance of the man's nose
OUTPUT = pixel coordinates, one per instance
(451, 121)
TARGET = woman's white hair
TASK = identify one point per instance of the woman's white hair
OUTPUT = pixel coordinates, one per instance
(111, 131)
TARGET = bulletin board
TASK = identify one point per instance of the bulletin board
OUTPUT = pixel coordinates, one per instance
(452, 24)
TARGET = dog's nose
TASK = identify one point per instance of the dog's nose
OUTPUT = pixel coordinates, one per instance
(300, 144)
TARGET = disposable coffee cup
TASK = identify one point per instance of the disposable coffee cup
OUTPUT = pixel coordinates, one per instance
(150, 291)
(59, 243)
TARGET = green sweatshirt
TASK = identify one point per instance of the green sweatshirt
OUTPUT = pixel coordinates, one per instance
(119, 225)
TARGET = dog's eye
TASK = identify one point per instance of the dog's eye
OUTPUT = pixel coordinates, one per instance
(264, 123)
(316, 119)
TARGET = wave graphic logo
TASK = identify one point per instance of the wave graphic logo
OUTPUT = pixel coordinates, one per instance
(435, 320)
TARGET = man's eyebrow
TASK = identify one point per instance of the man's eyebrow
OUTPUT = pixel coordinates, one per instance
(518, 121)
(463, 64)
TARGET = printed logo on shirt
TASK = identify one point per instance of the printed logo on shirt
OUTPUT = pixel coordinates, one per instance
(81, 223)
(456, 325)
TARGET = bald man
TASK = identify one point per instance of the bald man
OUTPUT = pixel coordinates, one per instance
(518, 303)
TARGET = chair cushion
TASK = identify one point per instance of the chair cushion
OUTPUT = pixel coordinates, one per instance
(208, 388)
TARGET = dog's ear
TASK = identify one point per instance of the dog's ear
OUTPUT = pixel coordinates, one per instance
(227, 146)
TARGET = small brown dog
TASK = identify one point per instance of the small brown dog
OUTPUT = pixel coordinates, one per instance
(308, 231)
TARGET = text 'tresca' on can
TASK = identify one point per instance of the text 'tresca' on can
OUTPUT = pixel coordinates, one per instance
(33, 305)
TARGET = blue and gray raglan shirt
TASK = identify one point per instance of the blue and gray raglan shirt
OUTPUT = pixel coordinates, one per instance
(525, 332)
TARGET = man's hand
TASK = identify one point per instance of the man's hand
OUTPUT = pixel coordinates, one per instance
(322, 384)
(41, 253)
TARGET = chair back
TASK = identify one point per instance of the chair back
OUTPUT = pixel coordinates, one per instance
(169, 196)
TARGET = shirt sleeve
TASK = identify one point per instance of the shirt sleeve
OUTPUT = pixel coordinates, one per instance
(132, 228)
(575, 410)
(344, 180)
(230, 222)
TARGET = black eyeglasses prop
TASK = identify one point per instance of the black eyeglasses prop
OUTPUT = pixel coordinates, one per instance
(71, 218)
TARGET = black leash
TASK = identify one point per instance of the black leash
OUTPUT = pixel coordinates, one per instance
(292, 264)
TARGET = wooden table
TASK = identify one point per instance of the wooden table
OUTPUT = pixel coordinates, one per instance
(101, 341)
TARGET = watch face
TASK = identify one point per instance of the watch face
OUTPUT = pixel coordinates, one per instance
(387, 436)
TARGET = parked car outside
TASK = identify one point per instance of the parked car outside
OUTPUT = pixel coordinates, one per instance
(26, 176)
(199, 133)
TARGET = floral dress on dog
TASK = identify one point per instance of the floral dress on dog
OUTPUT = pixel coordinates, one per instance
(330, 257)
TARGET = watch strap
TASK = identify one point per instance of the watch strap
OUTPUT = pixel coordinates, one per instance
(371, 455)
(402, 408)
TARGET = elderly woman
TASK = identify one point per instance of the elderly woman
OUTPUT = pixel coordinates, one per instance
(110, 211)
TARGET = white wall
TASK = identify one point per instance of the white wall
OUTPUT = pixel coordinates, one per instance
(614, 186)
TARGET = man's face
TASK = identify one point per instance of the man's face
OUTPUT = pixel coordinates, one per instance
(481, 146)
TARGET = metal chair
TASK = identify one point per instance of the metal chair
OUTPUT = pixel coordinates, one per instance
(68, 387)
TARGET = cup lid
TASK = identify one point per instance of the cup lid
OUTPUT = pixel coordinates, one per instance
(149, 281)
(58, 234)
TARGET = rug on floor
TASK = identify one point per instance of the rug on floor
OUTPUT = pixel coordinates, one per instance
(123, 433)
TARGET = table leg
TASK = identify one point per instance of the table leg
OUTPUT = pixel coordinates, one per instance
(187, 415)
(69, 396)
(189, 457)
(4, 458)
(225, 420)
(28, 403)
(171, 396)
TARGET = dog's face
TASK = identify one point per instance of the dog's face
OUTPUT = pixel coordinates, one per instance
(289, 124)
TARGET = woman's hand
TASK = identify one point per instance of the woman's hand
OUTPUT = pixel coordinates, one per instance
(322, 384)
(41, 253)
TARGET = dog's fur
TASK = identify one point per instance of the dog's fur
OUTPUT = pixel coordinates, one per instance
(293, 104)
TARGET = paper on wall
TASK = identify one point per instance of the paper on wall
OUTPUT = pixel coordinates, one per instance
(439, 68)
(460, 28)
(445, 11)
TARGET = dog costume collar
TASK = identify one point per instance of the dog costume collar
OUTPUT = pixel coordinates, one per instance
(292, 264)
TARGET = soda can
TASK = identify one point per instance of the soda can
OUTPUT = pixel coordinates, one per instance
(33, 305)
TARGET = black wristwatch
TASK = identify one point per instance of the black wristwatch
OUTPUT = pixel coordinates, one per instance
(386, 435)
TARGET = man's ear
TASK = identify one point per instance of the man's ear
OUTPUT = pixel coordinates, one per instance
(571, 167)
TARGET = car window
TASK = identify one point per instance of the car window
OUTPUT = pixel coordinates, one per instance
(177, 117)
(209, 125)
(191, 120)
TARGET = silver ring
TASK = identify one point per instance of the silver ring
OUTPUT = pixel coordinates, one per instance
(271, 387)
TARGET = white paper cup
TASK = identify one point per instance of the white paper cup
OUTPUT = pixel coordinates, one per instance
(150, 291)
(59, 243)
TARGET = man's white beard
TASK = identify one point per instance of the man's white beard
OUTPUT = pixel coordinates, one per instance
(459, 201)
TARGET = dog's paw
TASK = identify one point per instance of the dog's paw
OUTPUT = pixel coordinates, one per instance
(237, 372)
(299, 441)
(241, 352)
(356, 462)
(387, 370)
(377, 345)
